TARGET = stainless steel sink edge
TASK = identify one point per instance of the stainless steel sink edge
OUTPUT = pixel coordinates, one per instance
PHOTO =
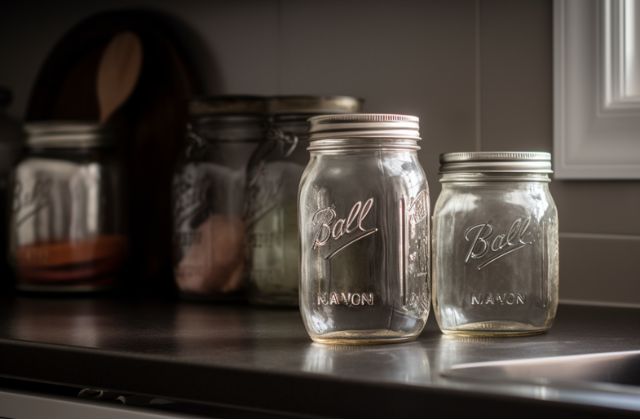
(540, 378)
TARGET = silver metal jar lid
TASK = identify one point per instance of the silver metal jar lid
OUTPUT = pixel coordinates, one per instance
(496, 162)
(227, 128)
(404, 130)
(227, 105)
(65, 134)
(308, 104)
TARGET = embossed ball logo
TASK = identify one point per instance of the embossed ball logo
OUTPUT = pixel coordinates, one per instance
(329, 227)
(488, 248)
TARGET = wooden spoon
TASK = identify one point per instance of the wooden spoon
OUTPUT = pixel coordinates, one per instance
(118, 72)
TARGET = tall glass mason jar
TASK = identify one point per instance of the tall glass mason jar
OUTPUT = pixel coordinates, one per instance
(67, 225)
(209, 195)
(364, 230)
(272, 199)
(495, 244)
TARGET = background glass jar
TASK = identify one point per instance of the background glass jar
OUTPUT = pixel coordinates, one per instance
(67, 226)
(209, 194)
(273, 180)
(495, 244)
(364, 229)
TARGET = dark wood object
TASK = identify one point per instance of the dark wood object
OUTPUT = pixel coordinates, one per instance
(118, 72)
(149, 125)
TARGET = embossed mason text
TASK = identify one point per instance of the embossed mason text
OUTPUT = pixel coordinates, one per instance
(490, 248)
(511, 298)
(346, 298)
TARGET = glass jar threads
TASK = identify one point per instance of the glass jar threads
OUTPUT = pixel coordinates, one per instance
(364, 230)
(67, 227)
(495, 244)
(209, 194)
(273, 180)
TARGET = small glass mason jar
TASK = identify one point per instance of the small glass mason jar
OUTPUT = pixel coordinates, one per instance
(364, 230)
(209, 196)
(272, 196)
(495, 244)
(67, 225)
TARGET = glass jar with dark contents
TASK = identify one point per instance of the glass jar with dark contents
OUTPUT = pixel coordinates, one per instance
(67, 225)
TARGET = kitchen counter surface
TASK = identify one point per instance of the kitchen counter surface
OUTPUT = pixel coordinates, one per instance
(223, 356)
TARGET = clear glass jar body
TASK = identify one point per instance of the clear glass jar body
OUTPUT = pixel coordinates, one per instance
(272, 213)
(67, 226)
(364, 228)
(209, 200)
(495, 256)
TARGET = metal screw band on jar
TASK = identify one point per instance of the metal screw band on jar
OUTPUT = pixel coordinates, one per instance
(363, 131)
(495, 166)
(312, 105)
(227, 105)
(66, 134)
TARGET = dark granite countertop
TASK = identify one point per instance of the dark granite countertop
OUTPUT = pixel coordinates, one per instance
(262, 360)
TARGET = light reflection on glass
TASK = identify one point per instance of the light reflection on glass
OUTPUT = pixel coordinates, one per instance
(407, 363)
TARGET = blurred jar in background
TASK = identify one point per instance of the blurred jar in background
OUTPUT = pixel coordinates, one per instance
(66, 226)
(273, 177)
(209, 194)
(11, 141)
